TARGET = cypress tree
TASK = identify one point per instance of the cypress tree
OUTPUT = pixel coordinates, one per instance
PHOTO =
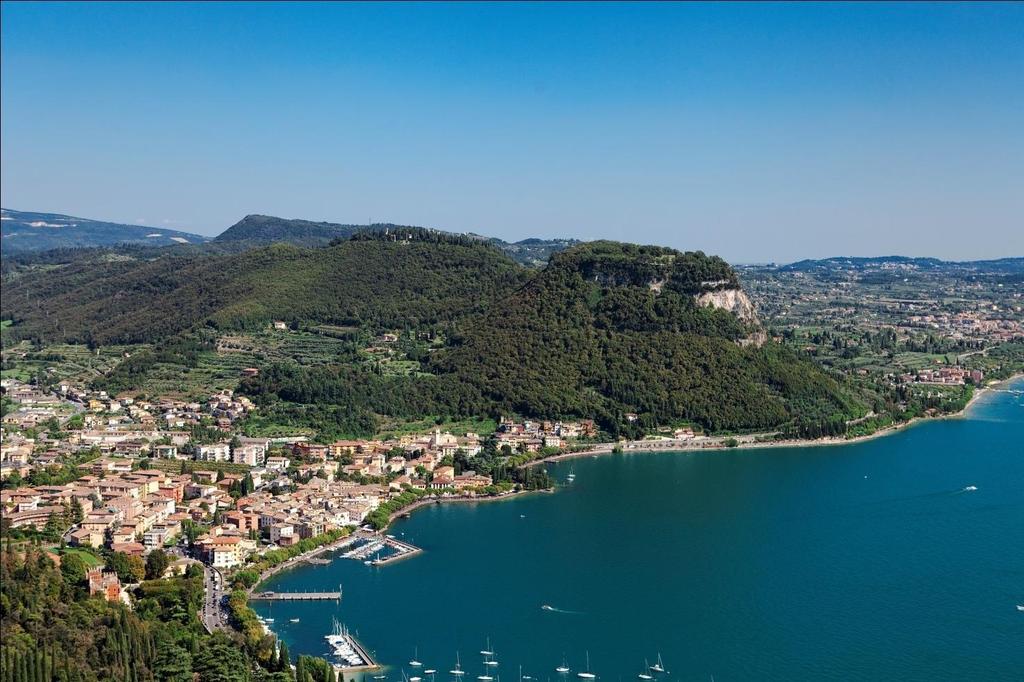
(286, 663)
(40, 665)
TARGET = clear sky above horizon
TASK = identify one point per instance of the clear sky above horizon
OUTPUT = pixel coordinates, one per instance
(757, 132)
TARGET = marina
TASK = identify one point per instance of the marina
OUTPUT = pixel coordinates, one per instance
(383, 550)
(348, 653)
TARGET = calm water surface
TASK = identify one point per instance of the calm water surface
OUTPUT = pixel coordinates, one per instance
(866, 561)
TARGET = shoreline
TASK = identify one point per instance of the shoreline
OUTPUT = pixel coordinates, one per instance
(599, 449)
(654, 446)
(301, 558)
(604, 449)
(356, 534)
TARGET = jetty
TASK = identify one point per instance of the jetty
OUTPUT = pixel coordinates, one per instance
(352, 655)
(402, 550)
(297, 596)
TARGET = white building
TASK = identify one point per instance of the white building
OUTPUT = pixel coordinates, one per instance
(217, 452)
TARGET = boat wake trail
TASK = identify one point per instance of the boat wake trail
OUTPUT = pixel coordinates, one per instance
(548, 607)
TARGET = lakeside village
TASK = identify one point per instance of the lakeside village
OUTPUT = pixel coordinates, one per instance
(133, 475)
(128, 477)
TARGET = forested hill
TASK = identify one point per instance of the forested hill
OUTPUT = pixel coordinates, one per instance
(257, 230)
(605, 330)
(260, 230)
(610, 329)
(363, 281)
(22, 232)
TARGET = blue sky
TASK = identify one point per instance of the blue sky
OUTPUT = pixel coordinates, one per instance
(758, 132)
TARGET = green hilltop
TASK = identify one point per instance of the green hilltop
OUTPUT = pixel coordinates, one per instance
(634, 336)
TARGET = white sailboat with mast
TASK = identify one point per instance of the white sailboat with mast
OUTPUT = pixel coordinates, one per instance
(458, 671)
(586, 674)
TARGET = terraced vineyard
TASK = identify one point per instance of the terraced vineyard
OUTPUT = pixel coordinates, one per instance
(65, 362)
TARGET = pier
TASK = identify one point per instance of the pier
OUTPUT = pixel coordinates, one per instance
(367, 661)
(402, 549)
(296, 596)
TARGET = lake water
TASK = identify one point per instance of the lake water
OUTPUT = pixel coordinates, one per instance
(865, 561)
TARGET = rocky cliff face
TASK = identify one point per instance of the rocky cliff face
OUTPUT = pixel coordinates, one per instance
(739, 304)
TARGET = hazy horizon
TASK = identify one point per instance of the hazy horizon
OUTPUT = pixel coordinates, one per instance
(759, 133)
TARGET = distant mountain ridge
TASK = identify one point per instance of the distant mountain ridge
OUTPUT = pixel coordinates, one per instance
(26, 231)
(261, 230)
(258, 229)
(1012, 264)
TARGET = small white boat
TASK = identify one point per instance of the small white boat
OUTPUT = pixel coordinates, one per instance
(586, 675)
(564, 668)
(415, 658)
(488, 651)
(644, 675)
(658, 667)
(491, 662)
(458, 671)
(970, 488)
(268, 620)
(293, 620)
(415, 679)
(1020, 607)
(484, 678)
(429, 671)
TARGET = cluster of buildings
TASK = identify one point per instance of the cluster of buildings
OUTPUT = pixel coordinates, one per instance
(956, 376)
(288, 490)
(531, 436)
(968, 325)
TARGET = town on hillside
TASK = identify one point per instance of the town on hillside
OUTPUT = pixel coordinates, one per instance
(132, 476)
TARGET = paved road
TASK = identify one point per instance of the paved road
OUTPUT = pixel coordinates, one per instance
(214, 614)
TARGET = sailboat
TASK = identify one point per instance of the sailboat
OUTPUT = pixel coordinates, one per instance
(644, 675)
(658, 667)
(415, 658)
(587, 675)
(488, 655)
(564, 668)
(572, 475)
(458, 672)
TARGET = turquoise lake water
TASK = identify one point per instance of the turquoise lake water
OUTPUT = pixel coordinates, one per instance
(865, 561)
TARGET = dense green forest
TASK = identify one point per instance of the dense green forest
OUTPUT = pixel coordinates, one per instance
(368, 281)
(604, 330)
(586, 337)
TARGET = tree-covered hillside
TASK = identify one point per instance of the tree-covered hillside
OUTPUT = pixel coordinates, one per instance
(605, 331)
(416, 282)
(609, 329)
(258, 230)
